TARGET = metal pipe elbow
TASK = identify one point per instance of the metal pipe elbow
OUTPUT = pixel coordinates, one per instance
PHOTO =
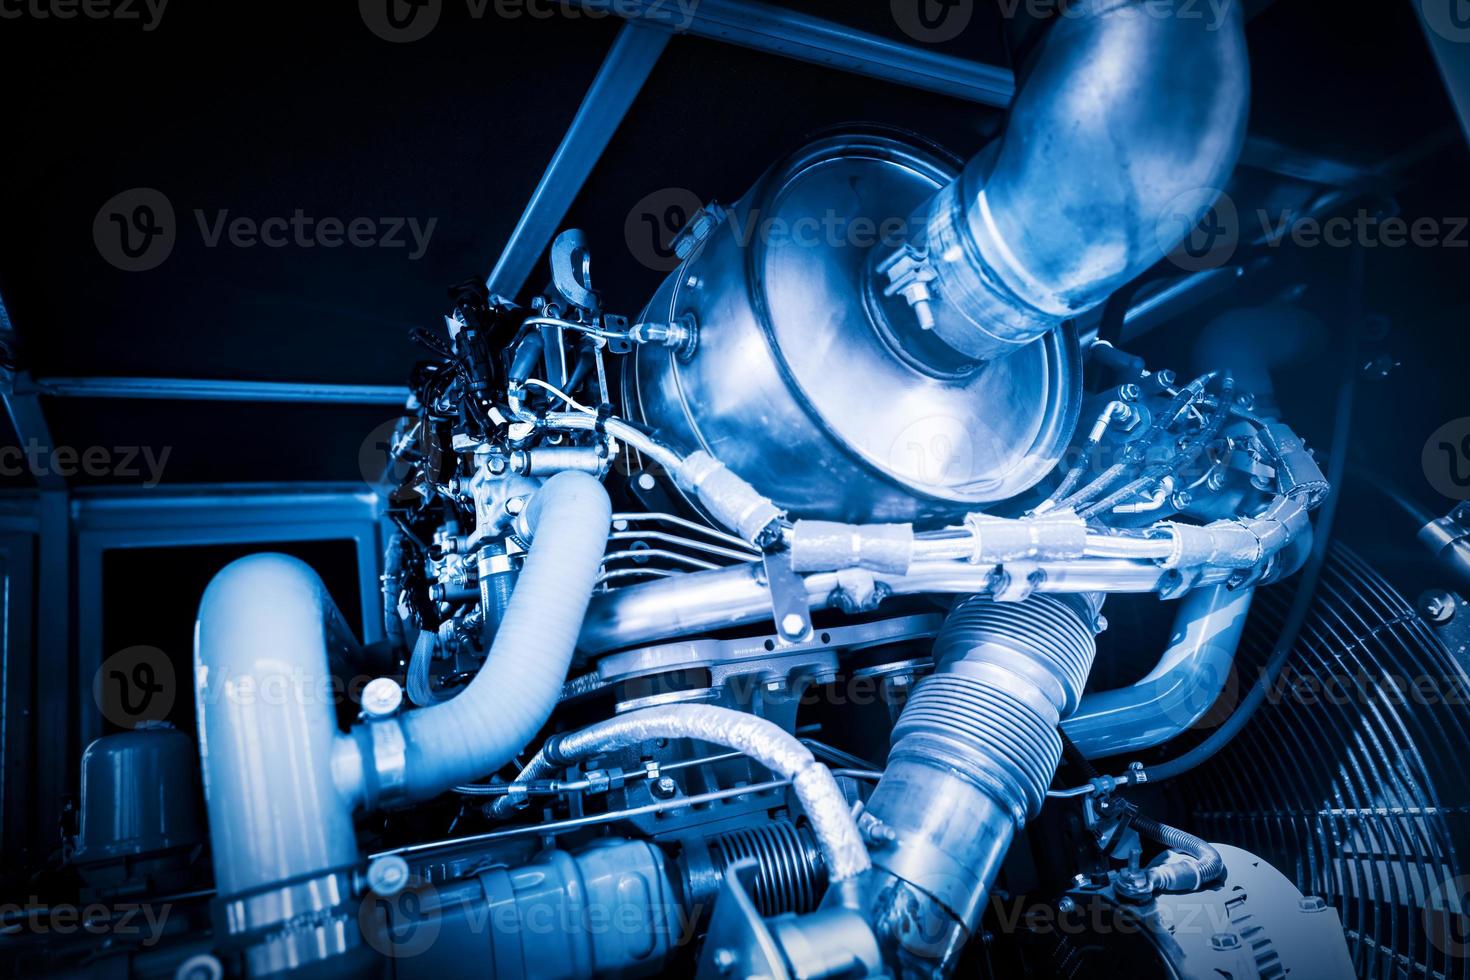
(1120, 137)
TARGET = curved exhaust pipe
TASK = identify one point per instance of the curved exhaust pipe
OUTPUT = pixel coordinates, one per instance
(1124, 129)
(281, 779)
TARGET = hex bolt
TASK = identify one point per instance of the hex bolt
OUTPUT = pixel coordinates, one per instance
(1224, 940)
(792, 625)
(1130, 393)
(725, 960)
(1066, 906)
(1312, 904)
(664, 788)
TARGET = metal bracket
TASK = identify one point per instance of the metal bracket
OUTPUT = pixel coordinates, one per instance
(789, 603)
(571, 274)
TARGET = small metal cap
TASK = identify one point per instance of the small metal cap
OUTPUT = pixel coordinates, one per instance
(1224, 940)
(388, 875)
(381, 698)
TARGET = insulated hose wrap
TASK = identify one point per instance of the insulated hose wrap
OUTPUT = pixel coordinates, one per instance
(513, 694)
(764, 741)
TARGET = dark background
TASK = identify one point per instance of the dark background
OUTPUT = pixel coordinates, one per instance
(263, 109)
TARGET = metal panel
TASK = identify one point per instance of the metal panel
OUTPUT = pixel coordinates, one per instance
(54, 676)
(618, 82)
(225, 514)
(18, 828)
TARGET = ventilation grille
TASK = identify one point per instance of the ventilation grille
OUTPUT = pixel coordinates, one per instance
(1354, 777)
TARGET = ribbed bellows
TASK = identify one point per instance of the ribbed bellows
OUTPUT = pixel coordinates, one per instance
(790, 876)
(1056, 632)
(987, 732)
(1007, 673)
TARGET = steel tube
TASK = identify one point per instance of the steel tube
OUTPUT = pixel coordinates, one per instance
(1184, 685)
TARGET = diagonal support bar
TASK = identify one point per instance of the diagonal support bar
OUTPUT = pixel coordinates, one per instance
(618, 82)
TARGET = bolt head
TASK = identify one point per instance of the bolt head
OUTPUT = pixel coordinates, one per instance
(388, 875)
(792, 625)
(1438, 606)
(1224, 940)
(381, 697)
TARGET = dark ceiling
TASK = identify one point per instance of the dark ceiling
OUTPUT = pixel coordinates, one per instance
(261, 110)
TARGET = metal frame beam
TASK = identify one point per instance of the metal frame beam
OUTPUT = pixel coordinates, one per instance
(188, 389)
(803, 37)
(1447, 39)
(763, 27)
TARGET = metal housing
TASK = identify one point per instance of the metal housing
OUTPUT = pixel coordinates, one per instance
(796, 387)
